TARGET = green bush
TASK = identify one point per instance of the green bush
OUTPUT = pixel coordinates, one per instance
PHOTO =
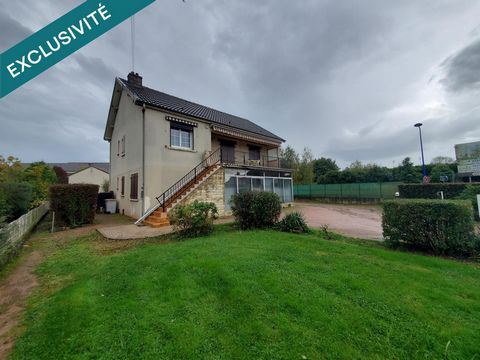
(253, 209)
(442, 227)
(294, 223)
(470, 193)
(73, 204)
(430, 191)
(194, 219)
(16, 199)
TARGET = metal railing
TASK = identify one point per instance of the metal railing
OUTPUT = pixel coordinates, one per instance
(244, 158)
(190, 178)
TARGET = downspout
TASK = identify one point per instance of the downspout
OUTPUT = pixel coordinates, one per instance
(143, 160)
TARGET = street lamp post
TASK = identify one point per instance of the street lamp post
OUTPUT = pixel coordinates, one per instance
(424, 168)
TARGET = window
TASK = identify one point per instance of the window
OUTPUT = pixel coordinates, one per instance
(181, 135)
(134, 186)
(117, 182)
(118, 148)
(122, 192)
(254, 152)
(123, 145)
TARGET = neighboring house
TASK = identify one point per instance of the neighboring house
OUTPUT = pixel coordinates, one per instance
(73, 167)
(89, 175)
(165, 150)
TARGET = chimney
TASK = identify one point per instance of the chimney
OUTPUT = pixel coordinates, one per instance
(134, 79)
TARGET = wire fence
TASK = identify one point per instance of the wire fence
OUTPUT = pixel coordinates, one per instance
(385, 190)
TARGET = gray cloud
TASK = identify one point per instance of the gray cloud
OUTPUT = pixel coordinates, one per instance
(463, 69)
(347, 79)
(12, 31)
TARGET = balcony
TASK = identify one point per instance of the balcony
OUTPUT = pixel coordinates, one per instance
(239, 158)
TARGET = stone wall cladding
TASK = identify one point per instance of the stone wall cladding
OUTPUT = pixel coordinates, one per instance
(211, 190)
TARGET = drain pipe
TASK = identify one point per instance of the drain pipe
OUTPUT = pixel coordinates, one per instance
(143, 159)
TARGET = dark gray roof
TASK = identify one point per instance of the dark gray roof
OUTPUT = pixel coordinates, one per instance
(172, 103)
(72, 167)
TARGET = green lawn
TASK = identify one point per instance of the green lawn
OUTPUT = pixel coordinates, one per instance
(250, 295)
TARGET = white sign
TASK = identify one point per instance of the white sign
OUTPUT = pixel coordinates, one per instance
(468, 158)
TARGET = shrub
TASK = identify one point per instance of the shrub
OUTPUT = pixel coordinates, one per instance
(194, 219)
(470, 193)
(256, 209)
(430, 191)
(17, 199)
(73, 204)
(294, 223)
(440, 226)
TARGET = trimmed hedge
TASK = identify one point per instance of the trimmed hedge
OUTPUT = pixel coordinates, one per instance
(443, 227)
(429, 191)
(74, 204)
(253, 209)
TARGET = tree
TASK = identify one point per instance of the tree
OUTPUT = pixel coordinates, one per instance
(322, 166)
(439, 170)
(10, 169)
(304, 172)
(407, 172)
(62, 176)
(442, 160)
(289, 158)
(40, 176)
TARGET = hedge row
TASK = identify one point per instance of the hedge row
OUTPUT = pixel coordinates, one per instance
(430, 191)
(443, 227)
(74, 204)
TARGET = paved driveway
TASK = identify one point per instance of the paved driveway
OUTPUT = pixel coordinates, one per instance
(361, 221)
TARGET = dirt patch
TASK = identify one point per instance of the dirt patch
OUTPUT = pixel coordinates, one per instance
(361, 221)
(15, 290)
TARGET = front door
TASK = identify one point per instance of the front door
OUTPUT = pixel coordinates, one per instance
(227, 151)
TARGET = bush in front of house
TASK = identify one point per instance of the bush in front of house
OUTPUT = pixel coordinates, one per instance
(17, 198)
(253, 209)
(443, 227)
(293, 223)
(73, 204)
(195, 219)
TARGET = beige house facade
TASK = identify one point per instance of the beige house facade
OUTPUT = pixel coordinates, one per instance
(165, 150)
(89, 175)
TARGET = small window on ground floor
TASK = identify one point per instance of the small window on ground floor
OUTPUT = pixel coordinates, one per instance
(134, 186)
(122, 192)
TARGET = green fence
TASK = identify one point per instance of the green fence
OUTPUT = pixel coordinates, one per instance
(385, 190)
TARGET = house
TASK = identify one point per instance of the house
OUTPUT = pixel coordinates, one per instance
(90, 175)
(84, 173)
(166, 151)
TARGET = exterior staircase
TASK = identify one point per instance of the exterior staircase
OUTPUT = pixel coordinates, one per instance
(157, 216)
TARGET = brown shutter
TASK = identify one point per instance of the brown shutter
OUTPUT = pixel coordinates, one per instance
(123, 186)
(134, 186)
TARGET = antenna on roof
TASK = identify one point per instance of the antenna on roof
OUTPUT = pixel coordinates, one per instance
(132, 32)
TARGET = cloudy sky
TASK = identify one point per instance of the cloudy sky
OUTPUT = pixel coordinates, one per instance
(347, 79)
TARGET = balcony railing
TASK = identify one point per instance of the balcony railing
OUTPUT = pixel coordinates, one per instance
(244, 159)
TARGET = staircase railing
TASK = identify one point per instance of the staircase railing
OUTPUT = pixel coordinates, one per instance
(189, 178)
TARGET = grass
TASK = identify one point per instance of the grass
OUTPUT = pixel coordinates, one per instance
(250, 295)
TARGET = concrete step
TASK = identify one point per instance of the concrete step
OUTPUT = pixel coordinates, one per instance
(155, 223)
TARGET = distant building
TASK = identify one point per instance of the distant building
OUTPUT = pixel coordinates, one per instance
(89, 175)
